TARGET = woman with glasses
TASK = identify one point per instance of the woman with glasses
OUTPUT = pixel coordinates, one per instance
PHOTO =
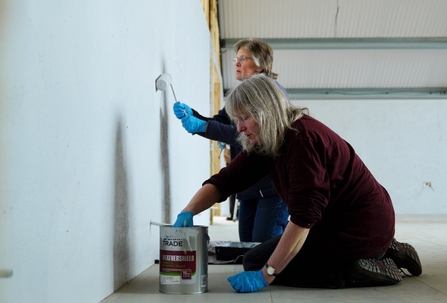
(262, 213)
(342, 222)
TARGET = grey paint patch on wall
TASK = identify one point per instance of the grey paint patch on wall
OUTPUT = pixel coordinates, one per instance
(164, 152)
(121, 214)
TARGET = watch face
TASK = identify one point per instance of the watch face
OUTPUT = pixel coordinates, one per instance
(270, 270)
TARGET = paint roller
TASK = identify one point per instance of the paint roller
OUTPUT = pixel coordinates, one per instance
(158, 223)
(162, 83)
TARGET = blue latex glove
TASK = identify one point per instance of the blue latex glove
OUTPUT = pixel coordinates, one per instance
(184, 219)
(180, 109)
(248, 281)
(193, 125)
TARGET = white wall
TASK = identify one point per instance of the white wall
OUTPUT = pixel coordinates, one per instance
(402, 142)
(90, 153)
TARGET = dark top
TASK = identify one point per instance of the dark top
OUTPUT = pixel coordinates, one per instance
(220, 128)
(326, 187)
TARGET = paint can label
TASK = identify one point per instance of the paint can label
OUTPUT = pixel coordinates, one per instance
(176, 266)
(183, 260)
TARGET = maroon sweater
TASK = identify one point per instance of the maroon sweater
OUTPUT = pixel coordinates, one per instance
(326, 187)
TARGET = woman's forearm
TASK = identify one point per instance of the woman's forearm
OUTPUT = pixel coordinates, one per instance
(205, 197)
(289, 245)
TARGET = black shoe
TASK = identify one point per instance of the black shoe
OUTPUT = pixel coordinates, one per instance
(405, 256)
(372, 272)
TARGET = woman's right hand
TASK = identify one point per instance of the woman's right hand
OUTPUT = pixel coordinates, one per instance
(181, 110)
(184, 219)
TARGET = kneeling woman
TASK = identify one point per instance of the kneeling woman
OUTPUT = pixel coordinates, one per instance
(341, 219)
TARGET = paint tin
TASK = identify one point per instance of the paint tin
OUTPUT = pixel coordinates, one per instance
(183, 259)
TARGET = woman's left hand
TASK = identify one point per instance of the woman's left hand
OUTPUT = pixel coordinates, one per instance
(193, 124)
(248, 281)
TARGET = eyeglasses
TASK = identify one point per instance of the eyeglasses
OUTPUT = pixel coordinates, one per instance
(241, 59)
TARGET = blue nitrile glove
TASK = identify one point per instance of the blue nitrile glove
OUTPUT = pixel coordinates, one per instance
(184, 219)
(248, 281)
(180, 109)
(193, 124)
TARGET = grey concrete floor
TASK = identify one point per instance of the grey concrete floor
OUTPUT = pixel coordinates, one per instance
(425, 232)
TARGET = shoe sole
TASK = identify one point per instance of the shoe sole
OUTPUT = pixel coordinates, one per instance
(405, 256)
(371, 272)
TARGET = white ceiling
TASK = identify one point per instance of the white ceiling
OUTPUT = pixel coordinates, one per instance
(344, 48)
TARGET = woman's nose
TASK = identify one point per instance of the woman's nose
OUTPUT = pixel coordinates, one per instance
(240, 127)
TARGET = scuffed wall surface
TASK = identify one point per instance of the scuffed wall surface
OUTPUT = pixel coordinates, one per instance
(90, 152)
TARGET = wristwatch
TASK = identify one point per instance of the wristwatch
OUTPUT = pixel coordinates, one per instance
(270, 270)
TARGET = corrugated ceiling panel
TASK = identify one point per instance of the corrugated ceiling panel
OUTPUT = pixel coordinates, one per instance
(332, 18)
(418, 66)
(392, 18)
(353, 68)
(279, 19)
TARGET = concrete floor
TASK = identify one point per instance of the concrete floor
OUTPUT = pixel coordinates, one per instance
(425, 232)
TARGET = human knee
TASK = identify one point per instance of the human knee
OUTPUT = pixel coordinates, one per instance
(249, 262)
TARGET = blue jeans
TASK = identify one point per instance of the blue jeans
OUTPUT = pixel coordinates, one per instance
(262, 219)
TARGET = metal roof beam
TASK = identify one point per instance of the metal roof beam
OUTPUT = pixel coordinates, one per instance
(347, 43)
(364, 93)
(368, 93)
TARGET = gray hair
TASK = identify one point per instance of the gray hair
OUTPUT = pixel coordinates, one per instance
(260, 97)
(261, 52)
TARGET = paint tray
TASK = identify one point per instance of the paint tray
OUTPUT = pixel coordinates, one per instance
(228, 251)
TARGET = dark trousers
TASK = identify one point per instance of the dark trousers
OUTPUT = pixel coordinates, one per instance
(309, 268)
(232, 204)
(262, 219)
